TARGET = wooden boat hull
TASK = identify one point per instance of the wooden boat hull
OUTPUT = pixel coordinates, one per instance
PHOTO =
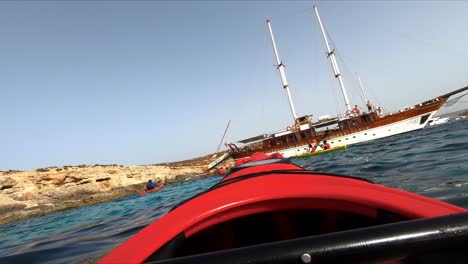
(260, 207)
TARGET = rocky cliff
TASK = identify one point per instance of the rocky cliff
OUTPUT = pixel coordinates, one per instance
(30, 193)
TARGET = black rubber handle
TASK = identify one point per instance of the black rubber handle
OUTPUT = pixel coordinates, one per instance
(427, 240)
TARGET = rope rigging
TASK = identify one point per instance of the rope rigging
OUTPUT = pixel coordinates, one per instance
(454, 100)
(352, 86)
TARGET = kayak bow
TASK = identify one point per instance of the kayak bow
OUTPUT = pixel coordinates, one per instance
(273, 211)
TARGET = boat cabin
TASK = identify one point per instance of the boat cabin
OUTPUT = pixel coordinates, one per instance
(358, 121)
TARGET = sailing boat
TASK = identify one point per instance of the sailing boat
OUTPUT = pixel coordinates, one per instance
(354, 127)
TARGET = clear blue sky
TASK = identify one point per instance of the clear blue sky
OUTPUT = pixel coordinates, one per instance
(132, 83)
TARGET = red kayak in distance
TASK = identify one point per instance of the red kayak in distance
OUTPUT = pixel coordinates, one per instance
(152, 190)
(269, 210)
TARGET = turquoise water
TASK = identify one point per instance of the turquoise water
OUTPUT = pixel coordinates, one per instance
(432, 162)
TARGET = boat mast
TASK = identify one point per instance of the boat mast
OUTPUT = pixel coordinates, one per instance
(362, 89)
(282, 73)
(331, 56)
(225, 130)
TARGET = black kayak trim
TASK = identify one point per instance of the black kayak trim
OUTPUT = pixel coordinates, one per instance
(427, 240)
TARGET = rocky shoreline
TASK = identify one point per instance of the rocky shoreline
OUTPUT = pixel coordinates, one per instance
(25, 194)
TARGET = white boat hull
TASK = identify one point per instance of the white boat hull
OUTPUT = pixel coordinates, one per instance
(392, 129)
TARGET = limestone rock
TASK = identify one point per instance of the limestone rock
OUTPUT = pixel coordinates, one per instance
(29, 193)
(7, 183)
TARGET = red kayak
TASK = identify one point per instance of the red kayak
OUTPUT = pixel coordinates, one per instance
(152, 190)
(269, 210)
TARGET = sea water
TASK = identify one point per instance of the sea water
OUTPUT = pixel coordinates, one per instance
(432, 162)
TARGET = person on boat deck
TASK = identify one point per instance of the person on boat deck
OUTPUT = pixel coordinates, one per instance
(311, 148)
(150, 185)
(357, 110)
(326, 145)
(369, 106)
(379, 110)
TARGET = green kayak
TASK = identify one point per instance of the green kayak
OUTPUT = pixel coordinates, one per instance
(318, 152)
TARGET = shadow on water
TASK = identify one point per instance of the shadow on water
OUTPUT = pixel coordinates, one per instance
(432, 162)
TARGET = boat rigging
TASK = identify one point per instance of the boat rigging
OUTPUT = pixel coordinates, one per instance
(355, 127)
(280, 67)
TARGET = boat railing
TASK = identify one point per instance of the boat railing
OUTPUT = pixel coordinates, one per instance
(233, 148)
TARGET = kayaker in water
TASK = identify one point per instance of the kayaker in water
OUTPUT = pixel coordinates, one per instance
(150, 185)
(221, 171)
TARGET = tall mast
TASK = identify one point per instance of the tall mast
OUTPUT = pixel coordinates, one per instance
(331, 56)
(225, 130)
(362, 89)
(281, 71)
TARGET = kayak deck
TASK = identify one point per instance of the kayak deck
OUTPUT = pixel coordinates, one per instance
(265, 207)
